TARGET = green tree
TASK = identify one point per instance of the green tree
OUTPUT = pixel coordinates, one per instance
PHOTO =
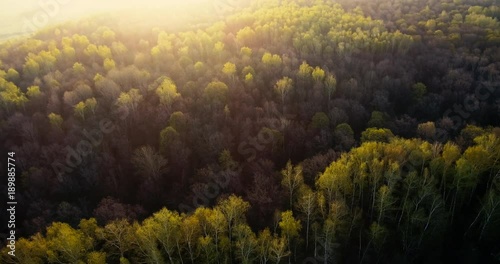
(376, 134)
(146, 243)
(33, 91)
(233, 209)
(229, 69)
(118, 237)
(167, 225)
(330, 86)
(168, 137)
(167, 92)
(67, 245)
(55, 120)
(246, 243)
(283, 87)
(418, 91)
(306, 204)
(290, 227)
(246, 51)
(318, 75)
(31, 69)
(11, 95)
(320, 121)
(292, 180)
(216, 93)
(377, 120)
(264, 241)
(33, 250)
(91, 104)
(78, 68)
(332, 227)
(278, 248)
(272, 61)
(385, 202)
(190, 230)
(12, 75)
(109, 64)
(130, 100)
(80, 110)
(305, 72)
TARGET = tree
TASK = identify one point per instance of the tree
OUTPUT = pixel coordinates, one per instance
(31, 69)
(33, 91)
(216, 93)
(246, 36)
(130, 100)
(109, 64)
(336, 181)
(12, 75)
(283, 87)
(318, 75)
(247, 70)
(32, 250)
(305, 72)
(246, 243)
(278, 248)
(78, 68)
(167, 91)
(320, 121)
(229, 69)
(218, 49)
(11, 95)
(377, 120)
(246, 51)
(179, 121)
(249, 78)
(307, 205)
(344, 136)
(385, 202)
(91, 104)
(292, 180)
(118, 236)
(330, 86)
(65, 244)
(168, 229)
(332, 227)
(96, 257)
(233, 208)
(146, 242)
(271, 60)
(264, 241)
(418, 91)
(168, 138)
(55, 120)
(217, 229)
(427, 130)
(80, 110)
(376, 134)
(149, 163)
(290, 227)
(450, 154)
(490, 212)
(190, 229)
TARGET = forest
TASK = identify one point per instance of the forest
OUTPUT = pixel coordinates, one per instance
(279, 131)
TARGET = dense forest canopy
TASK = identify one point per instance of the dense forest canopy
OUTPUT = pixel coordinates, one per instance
(300, 131)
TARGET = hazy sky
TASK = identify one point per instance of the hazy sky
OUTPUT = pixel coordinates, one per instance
(17, 17)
